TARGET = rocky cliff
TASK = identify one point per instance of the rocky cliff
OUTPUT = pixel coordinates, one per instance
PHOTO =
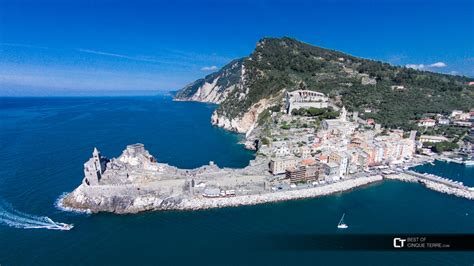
(219, 87)
(243, 123)
(246, 87)
(215, 87)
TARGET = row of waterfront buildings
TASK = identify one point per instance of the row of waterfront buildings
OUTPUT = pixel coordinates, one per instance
(340, 149)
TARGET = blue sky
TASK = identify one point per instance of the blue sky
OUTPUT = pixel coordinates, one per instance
(132, 47)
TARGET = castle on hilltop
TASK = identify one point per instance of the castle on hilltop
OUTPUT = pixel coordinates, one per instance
(305, 99)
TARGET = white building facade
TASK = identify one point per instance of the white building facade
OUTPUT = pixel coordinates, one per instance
(305, 99)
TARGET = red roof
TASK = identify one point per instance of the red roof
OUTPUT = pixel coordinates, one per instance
(427, 120)
(308, 161)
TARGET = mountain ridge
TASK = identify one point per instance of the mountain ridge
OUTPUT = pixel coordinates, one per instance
(248, 86)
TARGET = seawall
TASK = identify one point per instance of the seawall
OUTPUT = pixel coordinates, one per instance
(436, 186)
(206, 203)
(124, 200)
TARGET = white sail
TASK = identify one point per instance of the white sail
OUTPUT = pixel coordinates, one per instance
(341, 224)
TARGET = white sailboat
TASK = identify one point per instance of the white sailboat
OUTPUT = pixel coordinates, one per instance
(341, 224)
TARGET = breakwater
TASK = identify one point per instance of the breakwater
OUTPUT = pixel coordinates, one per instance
(435, 183)
(123, 199)
(344, 185)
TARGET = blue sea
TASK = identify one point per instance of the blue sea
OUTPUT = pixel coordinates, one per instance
(45, 141)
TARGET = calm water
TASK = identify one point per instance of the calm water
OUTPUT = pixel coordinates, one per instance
(45, 141)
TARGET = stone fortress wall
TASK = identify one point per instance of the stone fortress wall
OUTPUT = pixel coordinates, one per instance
(305, 99)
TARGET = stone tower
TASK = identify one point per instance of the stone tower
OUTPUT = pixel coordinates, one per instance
(355, 115)
(343, 116)
(96, 157)
(94, 168)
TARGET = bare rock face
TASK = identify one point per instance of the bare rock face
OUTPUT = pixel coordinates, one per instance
(118, 200)
(85, 199)
(227, 123)
(241, 124)
(214, 88)
(211, 92)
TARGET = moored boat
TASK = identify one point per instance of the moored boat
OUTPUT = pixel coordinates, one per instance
(341, 224)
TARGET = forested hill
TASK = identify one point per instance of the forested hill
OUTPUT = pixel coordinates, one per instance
(395, 95)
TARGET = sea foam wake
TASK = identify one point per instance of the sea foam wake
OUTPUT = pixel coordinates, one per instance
(14, 218)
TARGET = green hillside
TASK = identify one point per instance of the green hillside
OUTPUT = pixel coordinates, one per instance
(284, 63)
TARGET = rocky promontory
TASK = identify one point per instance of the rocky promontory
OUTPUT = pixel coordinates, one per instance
(136, 182)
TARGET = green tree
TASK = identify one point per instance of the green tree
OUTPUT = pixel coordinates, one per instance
(444, 146)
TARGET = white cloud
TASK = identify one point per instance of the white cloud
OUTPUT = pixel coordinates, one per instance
(172, 57)
(423, 66)
(209, 68)
(415, 66)
(117, 55)
(438, 64)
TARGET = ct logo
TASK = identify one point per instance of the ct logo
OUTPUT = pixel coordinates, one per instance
(398, 242)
